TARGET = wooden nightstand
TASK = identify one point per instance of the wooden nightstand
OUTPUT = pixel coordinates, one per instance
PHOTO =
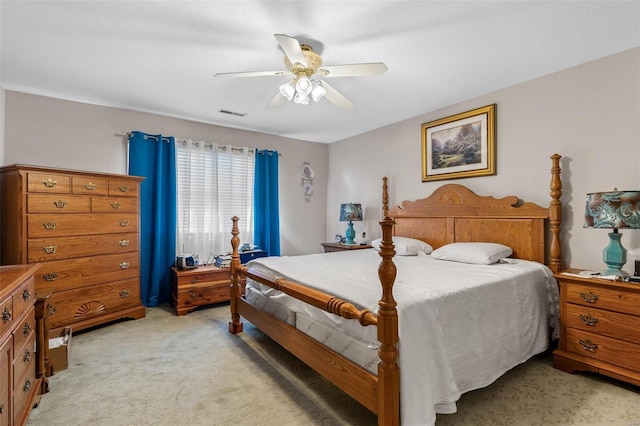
(330, 247)
(599, 327)
(203, 285)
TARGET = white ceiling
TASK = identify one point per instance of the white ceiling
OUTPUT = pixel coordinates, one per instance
(161, 57)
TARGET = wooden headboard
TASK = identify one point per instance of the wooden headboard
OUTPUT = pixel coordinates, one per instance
(454, 213)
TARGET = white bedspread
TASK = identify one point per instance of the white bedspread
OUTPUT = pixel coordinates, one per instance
(461, 326)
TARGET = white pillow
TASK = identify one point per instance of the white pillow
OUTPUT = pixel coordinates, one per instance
(405, 246)
(478, 253)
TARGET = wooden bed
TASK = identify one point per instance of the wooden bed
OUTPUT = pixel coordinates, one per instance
(452, 213)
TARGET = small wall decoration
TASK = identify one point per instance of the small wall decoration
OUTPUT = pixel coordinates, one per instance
(459, 146)
(307, 175)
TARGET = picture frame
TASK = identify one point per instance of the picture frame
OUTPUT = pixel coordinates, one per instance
(460, 146)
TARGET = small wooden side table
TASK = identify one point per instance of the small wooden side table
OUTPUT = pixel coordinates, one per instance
(203, 285)
(331, 247)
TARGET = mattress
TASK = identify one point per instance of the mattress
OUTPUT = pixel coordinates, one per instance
(461, 326)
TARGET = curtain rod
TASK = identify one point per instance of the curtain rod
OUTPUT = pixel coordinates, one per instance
(185, 141)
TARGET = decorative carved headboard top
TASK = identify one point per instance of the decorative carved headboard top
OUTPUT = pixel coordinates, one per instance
(454, 213)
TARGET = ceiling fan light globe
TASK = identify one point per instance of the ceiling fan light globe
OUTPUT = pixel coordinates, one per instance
(318, 92)
(304, 86)
(287, 91)
(301, 99)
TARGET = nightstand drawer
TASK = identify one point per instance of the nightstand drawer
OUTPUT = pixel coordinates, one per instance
(196, 295)
(223, 275)
(611, 324)
(605, 349)
(610, 298)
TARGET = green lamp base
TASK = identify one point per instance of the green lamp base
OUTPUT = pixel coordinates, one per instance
(350, 234)
(614, 255)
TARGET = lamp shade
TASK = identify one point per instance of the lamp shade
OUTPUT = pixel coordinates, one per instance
(613, 210)
(350, 212)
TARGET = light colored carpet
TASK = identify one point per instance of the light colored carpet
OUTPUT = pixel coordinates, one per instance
(169, 370)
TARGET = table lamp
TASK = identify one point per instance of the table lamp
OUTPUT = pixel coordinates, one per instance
(350, 212)
(613, 210)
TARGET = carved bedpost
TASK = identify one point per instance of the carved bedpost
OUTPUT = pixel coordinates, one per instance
(385, 198)
(235, 326)
(388, 371)
(555, 214)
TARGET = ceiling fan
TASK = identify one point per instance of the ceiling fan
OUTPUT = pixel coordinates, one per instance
(308, 75)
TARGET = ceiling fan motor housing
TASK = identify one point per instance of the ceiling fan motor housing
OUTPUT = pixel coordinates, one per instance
(314, 61)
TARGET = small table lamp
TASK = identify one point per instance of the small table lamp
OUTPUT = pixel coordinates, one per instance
(613, 210)
(350, 212)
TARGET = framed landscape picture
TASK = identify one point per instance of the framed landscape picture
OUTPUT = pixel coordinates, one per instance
(463, 145)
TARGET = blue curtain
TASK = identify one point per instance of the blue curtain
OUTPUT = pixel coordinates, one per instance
(266, 222)
(154, 158)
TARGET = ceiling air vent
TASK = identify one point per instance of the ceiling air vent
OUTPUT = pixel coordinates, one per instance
(237, 114)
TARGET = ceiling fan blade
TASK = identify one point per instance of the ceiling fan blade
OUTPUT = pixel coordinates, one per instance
(336, 97)
(352, 70)
(252, 74)
(291, 48)
(277, 100)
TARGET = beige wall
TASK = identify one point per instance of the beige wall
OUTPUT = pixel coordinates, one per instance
(56, 133)
(590, 114)
(2, 92)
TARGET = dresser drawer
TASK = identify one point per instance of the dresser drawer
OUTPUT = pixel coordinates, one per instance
(68, 307)
(609, 298)
(605, 349)
(89, 185)
(122, 188)
(46, 249)
(23, 360)
(25, 330)
(114, 205)
(54, 203)
(217, 276)
(52, 183)
(42, 225)
(612, 324)
(24, 297)
(21, 393)
(202, 294)
(60, 275)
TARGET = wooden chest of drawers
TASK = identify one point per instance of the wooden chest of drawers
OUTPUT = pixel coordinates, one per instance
(82, 228)
(19, 383)
(600, 327)
(203, 285)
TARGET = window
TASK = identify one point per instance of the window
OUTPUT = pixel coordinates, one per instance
(214, 183)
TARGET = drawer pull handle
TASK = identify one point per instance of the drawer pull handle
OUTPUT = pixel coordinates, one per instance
(124, 223)
(27, 356)
(26, 330)
(587, 345)
(52, 310)
(6, 315)
(90, 186)
(61, 204)
(123, 188)
(50, 249)
(27, 385)
(124, 243)
(49, 225)
(194, 280)
(115, 205)
(589, 320)
(193, 294)
(49, 183)
(50, 276)
(124, 293)
(589, 297)
(124, 265)
(26, 295)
